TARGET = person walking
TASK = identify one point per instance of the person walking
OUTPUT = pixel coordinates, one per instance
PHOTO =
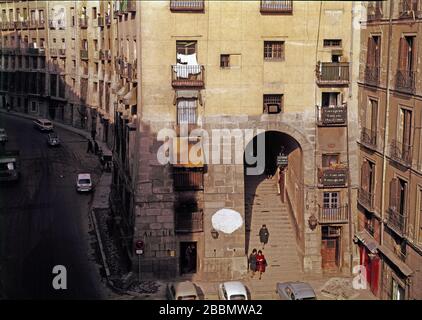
(90, 147)
(264, 234)
(252, 262)
(261, 263)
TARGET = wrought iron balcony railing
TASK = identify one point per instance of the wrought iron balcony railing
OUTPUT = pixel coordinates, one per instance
(187, 5)
(366, 199)
(368, 138)
(405, 81)
(396, 221)
(372, 75)
(332, 73)
(401, 152)
(276, 6)
(187, 75)
(333, 215)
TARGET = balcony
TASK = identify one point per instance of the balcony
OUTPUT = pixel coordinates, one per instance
(34, 51)
(40, 24)
(84, 54)
(405, 81)
(366, 199)
(54, 52)
(131, 6)
(131, 71)
(368, 138)
(108, 20)
(187, 179)
(396, 221)
(62, 52)
(83, 22)
(401, 152)
(332, 177)
(407, 8)
(187, 76)
(189, 222)
(374, 12)
(332, 73)
(332, 116)
(333, 215)
(100, 21)
(276, 7)
(187, 6)
(372, 75)
(18, 24)
(105, 55)
(96, 55)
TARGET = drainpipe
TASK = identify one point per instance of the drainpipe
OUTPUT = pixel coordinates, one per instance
(349, 180)
(387, 103)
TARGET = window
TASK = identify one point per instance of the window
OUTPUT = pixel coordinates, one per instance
(186, 111)
(41, 16)
(33, 16)
(72, 14)
(188, 178)
(373, 57)
(398, 292)
(274, 50)
(404, 131)
(332, 42)
(34, 107)
(273, 103)
(398, 191)
(369, 224)
(330, 99)
(419, 224)
(186, 47)
(367, 179)
(225, 61)
(371, 115)
(407, 53)
(331, 200)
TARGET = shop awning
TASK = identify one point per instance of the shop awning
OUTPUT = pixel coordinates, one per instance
(392, 257)
(187, 94)
(367, 240)
(123, 91)
(130, 98)
(188, 154)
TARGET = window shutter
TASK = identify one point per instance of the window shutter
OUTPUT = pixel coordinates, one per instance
(403, 54)
(365, 172)
(407, 127)
(394, 194)
(370, 52)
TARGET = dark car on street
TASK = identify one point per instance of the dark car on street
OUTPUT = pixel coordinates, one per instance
(53, 139)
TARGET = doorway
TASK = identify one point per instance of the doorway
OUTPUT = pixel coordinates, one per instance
(188, 257)
(330, 248)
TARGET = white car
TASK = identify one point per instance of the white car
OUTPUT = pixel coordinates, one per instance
(3, 135)
(232, 290)
(84, 182)
(43, 125)
(185, 290)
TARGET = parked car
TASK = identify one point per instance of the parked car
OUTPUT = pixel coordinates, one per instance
(53, 139)
(84, 182)
(295, 291)
(185, 290)
(43, 125)
(232, 290)
(3, 135)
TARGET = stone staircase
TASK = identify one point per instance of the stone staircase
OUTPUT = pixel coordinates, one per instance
(264, 206)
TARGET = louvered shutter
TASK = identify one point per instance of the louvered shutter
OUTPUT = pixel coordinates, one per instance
(394, 194)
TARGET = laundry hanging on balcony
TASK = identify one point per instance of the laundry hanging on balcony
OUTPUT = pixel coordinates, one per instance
(123, 91)
(186, 65)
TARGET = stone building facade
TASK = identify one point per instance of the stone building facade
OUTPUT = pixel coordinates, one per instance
(285, 70)
(389, 202)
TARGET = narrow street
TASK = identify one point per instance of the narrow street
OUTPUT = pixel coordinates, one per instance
(44, 222)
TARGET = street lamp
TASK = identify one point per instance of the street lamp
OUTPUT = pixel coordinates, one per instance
(214, 233)
(313, 222)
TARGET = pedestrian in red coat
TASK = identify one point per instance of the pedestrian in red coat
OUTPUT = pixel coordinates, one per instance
(261, 263)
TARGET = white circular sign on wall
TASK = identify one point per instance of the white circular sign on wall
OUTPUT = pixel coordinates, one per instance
(226, 220)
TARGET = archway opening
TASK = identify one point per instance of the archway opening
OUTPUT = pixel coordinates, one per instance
(275, 198)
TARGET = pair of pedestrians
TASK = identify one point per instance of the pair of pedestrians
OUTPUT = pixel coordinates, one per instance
(257, 260)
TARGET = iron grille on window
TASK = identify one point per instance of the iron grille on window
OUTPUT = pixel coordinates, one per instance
(332, 42)
(225, 61)
(274, 50)
(186, 112)
(188, 178)
(273, 103)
